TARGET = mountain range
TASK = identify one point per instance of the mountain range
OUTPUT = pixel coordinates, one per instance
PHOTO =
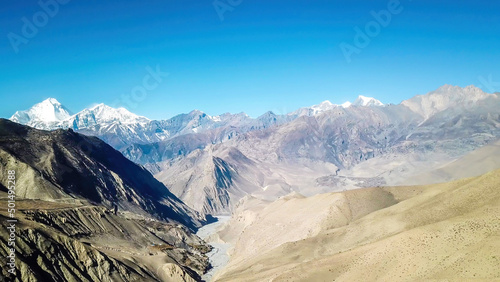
(119, 127)
(321, 148)
(108, 195)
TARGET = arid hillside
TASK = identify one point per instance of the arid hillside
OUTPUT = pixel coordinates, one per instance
(445, 231)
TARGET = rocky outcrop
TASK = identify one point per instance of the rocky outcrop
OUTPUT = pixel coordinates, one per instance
(92, 243)
(47, 256)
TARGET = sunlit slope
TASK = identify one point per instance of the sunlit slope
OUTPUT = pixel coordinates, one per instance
(472, 164)
(440, 231)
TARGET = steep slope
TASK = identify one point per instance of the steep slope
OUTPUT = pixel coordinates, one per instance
(317, 149)
(118, 127)
(444, 231)
(289, 157)
(199, 135)
(69, 167)
(121, 128)
(213, 183)
(68, 242)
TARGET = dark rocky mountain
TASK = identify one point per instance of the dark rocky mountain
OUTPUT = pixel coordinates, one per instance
(66, 166)
(86, 213)
(81, 242)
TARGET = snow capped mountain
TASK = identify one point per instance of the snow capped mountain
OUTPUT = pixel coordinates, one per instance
(49, 111)
(322, 138)
(121, 128)
(446, 97)
(322, 107)
(102, 114)
(315, 109)
(50, 115)
(118, 127)
(326, 106)
(346, 104)
(105, 113)
(366, 102)
(365, 145)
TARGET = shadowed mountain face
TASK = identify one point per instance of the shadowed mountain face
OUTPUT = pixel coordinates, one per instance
(67, 188)
(65, 166)
(211, 184)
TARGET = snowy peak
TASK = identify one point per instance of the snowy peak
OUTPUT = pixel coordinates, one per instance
(367, 102)
(346, 104)
(107, 114)
(325, 106)
(459, 94)
(50, 114)
(103, 115)
(314, 110)
(196, 113)
(322, 107)
(47, 111)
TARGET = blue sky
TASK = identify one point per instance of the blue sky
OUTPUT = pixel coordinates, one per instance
(264, 55)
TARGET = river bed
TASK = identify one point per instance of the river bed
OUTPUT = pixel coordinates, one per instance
(218, 256)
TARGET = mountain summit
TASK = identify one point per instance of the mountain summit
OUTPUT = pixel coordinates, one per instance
(367, 102)
(102, 114)
(446, 97)
(48, 111)
(50, 114)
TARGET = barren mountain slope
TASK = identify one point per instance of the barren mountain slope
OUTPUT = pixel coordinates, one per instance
(346, 148)
(86, 213)
(66, 166)
(440, 231)
(477, 162)
(75, 242)
(213, 183)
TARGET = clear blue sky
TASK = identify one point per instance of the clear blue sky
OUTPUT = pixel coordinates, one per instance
(265, 55)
